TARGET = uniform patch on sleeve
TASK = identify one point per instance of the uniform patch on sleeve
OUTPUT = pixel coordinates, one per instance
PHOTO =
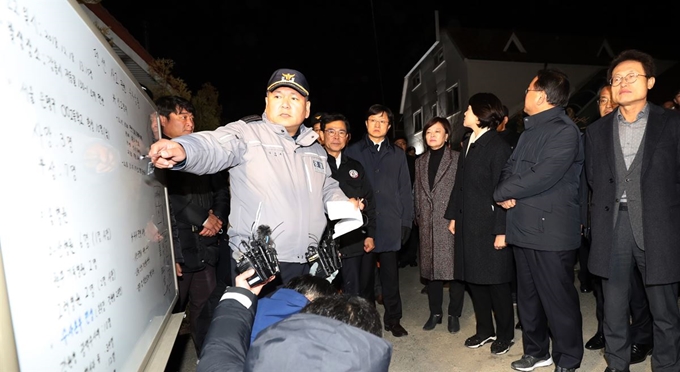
(353, 173)
(318, 166)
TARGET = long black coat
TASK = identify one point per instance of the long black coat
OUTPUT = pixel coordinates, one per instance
(436, 242)
(478, 218)
(660, 189)
(390, 179)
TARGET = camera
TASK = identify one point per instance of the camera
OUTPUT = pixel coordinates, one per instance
(259, 254)
(326, 255)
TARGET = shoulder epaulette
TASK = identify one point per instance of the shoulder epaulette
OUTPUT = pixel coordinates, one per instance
(251, 118)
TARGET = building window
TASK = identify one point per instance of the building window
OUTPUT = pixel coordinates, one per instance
(418, 121)
(415, 80)
(453, 100)
(439, 58)
(434, 110)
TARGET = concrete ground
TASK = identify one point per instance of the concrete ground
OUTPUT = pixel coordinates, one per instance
(438, 350)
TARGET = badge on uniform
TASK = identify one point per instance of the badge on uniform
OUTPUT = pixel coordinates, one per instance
(318, 166)
(353, 173)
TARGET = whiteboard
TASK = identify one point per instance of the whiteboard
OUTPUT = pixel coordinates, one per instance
(84, 233)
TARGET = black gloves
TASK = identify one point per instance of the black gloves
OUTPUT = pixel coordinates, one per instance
(405, 234)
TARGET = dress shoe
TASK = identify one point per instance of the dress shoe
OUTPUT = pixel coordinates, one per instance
(454, 324)
(562, 369)
(432, 322)
(596, 342)
(639, 352)
(609, 369)
(396, 329)
(379, 299)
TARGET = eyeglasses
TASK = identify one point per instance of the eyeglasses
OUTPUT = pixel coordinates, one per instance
(603, 101)
(332, 132)
(629, 79)
(381, 122)
(526, 91)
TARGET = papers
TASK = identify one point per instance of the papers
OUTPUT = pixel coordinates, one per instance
(350, 217)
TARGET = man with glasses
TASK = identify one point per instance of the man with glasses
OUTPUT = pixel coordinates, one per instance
(632, 168)
(540, 189)
(641, 318)
(389, 176)
(355, 184)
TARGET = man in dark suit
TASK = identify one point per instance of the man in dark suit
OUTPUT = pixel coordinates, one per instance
(633, 167)
(335, 134)
(387, 170)
(540, 189)
(641, 319)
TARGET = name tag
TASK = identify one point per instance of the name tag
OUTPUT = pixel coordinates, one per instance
(318, 166)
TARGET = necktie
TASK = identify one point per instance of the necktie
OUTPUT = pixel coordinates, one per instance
(377, 147)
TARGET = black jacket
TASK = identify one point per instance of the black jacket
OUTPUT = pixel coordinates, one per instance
(191, 197)
(544, 175)
(352, 179)
(659, 209)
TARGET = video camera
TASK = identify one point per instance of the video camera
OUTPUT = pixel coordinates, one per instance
(259, 254)
(325, 254)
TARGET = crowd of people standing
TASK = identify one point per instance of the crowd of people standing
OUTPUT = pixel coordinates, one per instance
(500, 217)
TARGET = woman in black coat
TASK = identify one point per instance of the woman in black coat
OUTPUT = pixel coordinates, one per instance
(482, 259)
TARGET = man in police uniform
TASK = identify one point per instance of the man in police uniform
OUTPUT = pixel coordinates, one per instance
(278, 172)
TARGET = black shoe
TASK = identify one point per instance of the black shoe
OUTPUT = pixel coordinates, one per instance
(500, 347)
(518, 325)
(475, 341)
(609, 369)
(639, 352)
(586, 288)
(562, 369)
(396, 329)
(432, 322)
(529, 363)
(596, 342)
(454, 324)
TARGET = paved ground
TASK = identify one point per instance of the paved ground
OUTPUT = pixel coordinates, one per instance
(438, 350)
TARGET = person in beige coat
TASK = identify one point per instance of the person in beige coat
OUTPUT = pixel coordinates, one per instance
(434, 179)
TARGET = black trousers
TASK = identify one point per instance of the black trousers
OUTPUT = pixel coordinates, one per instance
(663, 304)
(546, 295)
(493, 302)
(350, 274)
(409, 251)
(389, 279)
(435, 296)
(640, 316)
(195, 289)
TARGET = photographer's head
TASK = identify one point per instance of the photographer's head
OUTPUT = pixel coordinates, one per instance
(312, 287)
(353, 310)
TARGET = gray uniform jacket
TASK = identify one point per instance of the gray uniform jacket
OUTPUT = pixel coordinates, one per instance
(275, 180)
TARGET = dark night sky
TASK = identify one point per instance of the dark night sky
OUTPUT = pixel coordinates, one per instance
(349, 63)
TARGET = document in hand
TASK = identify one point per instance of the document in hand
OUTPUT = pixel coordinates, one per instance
(349, 216)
